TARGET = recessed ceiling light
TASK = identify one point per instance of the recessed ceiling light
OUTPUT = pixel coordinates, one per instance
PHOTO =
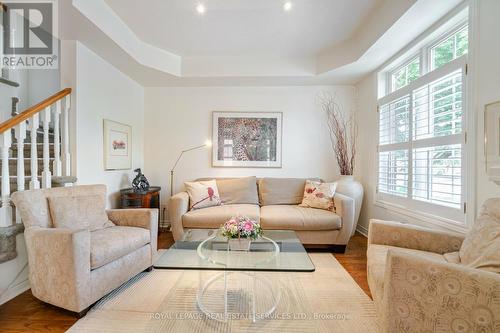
(200, 8)
(287, 6)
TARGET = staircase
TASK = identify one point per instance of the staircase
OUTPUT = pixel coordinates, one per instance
(34, 153)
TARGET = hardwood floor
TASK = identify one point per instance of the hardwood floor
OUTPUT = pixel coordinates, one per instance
(27, 314)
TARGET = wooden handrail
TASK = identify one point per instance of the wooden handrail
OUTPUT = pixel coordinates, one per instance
(29, 112)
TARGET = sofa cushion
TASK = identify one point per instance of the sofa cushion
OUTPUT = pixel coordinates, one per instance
(238, 190)
(281, 191)
(213, 217)
(79, 212)
(377, 259)
(107, 245)
(481, 246)
(293, 217)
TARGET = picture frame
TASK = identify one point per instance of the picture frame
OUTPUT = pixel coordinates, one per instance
(247, 139)
(492, 140)
(117, 145)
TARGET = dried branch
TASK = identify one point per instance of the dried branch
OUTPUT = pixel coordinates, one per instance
(343, 134)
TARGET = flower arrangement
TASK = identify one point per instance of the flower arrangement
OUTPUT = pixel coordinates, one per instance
(241, 227)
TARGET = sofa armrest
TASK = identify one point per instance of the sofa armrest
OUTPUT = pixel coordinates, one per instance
(344, 207)
(426, 295)
(178, 205)
(146, 218)
(413, 237)
(59, 261)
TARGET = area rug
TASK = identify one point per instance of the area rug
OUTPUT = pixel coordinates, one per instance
(327, 300)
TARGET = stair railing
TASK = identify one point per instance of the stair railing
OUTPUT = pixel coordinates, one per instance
(52, 108)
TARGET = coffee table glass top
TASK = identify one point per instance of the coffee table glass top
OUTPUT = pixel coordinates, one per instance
(278, 250)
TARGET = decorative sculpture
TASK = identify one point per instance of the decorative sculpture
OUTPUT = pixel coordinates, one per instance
(140, 183)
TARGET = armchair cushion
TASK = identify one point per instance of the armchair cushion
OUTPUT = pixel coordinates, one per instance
(79, 212)
(481, 247)
(109, 244)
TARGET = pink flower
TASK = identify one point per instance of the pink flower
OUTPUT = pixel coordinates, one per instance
(248, 226)
(320, 195)
(310, 190)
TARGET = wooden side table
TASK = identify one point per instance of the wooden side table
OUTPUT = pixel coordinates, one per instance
(145, 199)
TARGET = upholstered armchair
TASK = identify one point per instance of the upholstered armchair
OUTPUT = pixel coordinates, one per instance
(73, 267)
(431, 281)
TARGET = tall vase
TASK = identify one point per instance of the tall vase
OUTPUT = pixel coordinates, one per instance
(348, 186)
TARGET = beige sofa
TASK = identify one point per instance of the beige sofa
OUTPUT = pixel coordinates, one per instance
(275, 203)
(73, 268)
(431, 281)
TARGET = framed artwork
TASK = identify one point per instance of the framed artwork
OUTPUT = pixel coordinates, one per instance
(247, 139)
(117, 149)
(492, 140)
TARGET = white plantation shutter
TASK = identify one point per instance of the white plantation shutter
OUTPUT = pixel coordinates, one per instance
(421, 143)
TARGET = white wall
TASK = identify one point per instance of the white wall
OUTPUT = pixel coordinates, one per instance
(485, 78)
(103, 92)
(180, 118)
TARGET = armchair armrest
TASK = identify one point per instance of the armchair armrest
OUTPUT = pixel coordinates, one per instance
(59, 262)
(425, 295)
(178, 205)
(146, 218)
(344, 207)
(413, 237)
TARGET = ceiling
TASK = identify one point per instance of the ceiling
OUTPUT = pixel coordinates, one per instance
(243, 27)
(248, 42)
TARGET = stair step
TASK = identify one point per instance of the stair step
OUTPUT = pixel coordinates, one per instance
(27, 150)
(27, 166)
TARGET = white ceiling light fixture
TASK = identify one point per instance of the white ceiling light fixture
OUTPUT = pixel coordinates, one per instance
(200, 8)
(287, 6)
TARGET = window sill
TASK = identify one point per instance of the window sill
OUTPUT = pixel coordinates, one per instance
(427, 220)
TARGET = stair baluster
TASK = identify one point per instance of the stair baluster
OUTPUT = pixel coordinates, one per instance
(66, 157)
(57, 166)
(46, 174)
(20, 137)
(33, 126)
(20, 133)
(6, 209)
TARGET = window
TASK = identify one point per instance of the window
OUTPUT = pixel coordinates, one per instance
(405, 74)
(421, 131)
(452, 47)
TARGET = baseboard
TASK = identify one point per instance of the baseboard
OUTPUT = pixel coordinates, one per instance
(14, 291)
(362, 230)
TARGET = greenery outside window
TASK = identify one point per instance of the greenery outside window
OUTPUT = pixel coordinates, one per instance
(406, 74)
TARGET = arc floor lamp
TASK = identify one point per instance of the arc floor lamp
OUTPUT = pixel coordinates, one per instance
(207, 144)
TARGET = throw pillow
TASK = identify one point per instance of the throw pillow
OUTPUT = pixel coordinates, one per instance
(238, 190)
(319, 195)
(79, 212)
(202, 194)
(481, 246)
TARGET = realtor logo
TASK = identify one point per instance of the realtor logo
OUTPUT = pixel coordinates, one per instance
(29, 35)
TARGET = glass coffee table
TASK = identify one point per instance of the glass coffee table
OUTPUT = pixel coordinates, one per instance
(245, 286)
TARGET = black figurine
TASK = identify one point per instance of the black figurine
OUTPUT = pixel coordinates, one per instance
(140, 183)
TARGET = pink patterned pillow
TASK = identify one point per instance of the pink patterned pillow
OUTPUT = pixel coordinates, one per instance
(319, 195)
(202, 194)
